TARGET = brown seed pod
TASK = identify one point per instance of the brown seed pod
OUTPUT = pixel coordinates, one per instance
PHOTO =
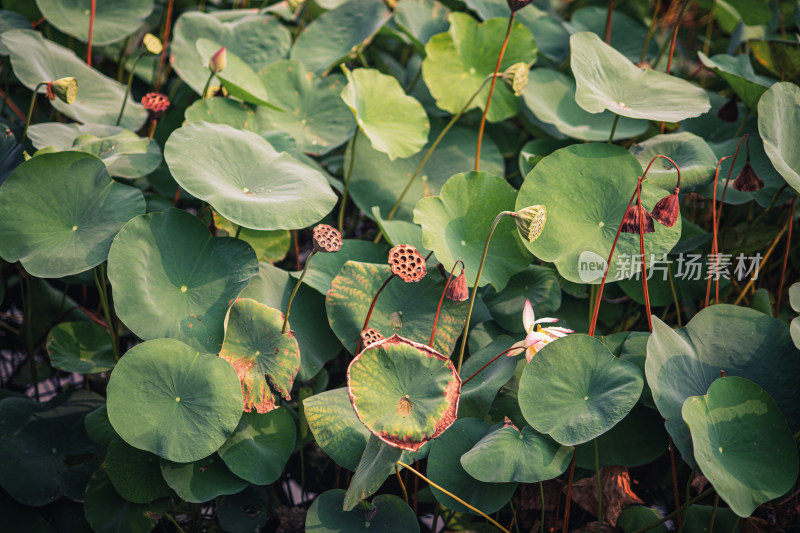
(458, 291)
(370, 336)
(155, 103)
(407, 263)
(748, 180)
(667, 209)
(326, 238)
(630, 222)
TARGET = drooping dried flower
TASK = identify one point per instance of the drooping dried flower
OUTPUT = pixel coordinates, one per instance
(748, 180)
(156, 104)
(327, 239)
(630, 222)
(516, 5)
(458, 290)
(407, 263)
(530, 221)
(667, 209)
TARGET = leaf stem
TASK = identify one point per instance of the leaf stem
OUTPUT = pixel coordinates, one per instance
(441, 300)
(609, 18)
(491, 91)
(650, 31)
(294, 291)
(27, 326)
(456, 498)
(99, 279)
(475, 287)
(570, 477)
(347, 180)
(763, 262)
(644, 262)
(599, 486)
(207, 85)
(713, 514)
(674, 295)
(613, 129)
(164, 42)
(400, 480)
(495, 358)
(541, 520)
(714, 227)
(91, 32)
(128, 88)
(675, 493)
(785, 259)
(371, 307)
(30, 111)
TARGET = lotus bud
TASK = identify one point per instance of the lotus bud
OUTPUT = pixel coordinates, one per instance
(667, 209)
(152, 44)
(516, 5)
(370, 336)
(748, 180)
(218, 61)
(516, 76)
(630, 222)
(407, 263)
(530, 221)
(326, 239)
(458, 290)
(156, 104)
(66, 89)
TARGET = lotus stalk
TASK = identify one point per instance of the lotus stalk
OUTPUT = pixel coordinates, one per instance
(444, 293)
(151, 44)
(714, 229)
(65, 89)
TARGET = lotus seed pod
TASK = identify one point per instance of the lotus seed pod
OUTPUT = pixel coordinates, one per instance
(530, 221)
(152, 44)
(370, 336)
(516, 76)
(407, 263)
(156, 104)
(66, 89)
(218, 61)
(630, 222)
(326, 239)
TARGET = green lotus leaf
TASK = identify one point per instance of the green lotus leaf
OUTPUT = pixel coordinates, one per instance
(421, 20)
(794, 300)
(455, 226)
(269, 246)
(378, 181)
(113, 20)
(741, 443)
(444, 469)
(400, 232)
(98, 427)
(168, 293)
(574, 389)
(46, 450)
(489, 9)
(125, 154)
(536, 150)
(781, 58)
(606, 79)
(67, 210)
(739, 74)
(584, 211)
(550, 96)
(246, 511)
(386, 513)
(36, 59)
(457, 63)
(82, 347)
(627, 35)
(314, 114)
(536, 283)
(318, 345)
(509, 454)
(376, 464)
(336, 428)
(742, 342)
(328, 40)
(257, 39)
(165, 397)
(395, 123)
(691, 153)
(698, 518)
(259, 352)
(478, 394)
(778, 125)
(201, 480)
(407, 309)
(10, 20)
(324, 267)
(219, 110)
(108, 512)
(245, 179)
(238, 78)
(636, 517)
(135, 474)
(405, 392)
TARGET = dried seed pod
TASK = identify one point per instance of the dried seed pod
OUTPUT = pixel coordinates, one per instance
(326, 238)
(747, 180)
(630, 222)
(516, 5)
(407, 263)
(370, 336)
(156, 104)
(667, 209)
(458, 290)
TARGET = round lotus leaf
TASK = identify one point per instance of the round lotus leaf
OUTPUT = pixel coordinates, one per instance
(742, 443)
(124, 153)
(691, 153)
(201, 480)
(394, 122)
(377, 463)
(336, 428)
(405, 392)
(627, 35)
(269, 246)
(479, 393)
(794, 300)
(257, 39)
(638, 516)
(313, 111)
(246, 511)
(82, 347)
(46, 450)
(741, 341)
(386, 513)
(584, 211)
(781, 58)
(455, 226)
(509, 454)
(574, 389)
(171, 278)
(36, 59)
(536, 150)
(67, 210)
(238, 78)
(113, 19)
(135, 474)
(779, 127)
(108, 512)
(407, 309)
(444, 469)
(259, 448)
(537, 284)
(245, 179)
(98, 427)
(378, 181)
(165, 397)
(328, 40)
(739, 74)
(550, 96)
(421, 20)
(606, 79)
(256, 348)
(457, 63)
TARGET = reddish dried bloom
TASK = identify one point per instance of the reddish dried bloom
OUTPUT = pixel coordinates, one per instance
(156, 104)
(370, 336)
(748, 180)
(729, 112)
(326, 239)
(458, 290)
(667, 209)
(407, 263)
(630, 222)
(516, 5)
